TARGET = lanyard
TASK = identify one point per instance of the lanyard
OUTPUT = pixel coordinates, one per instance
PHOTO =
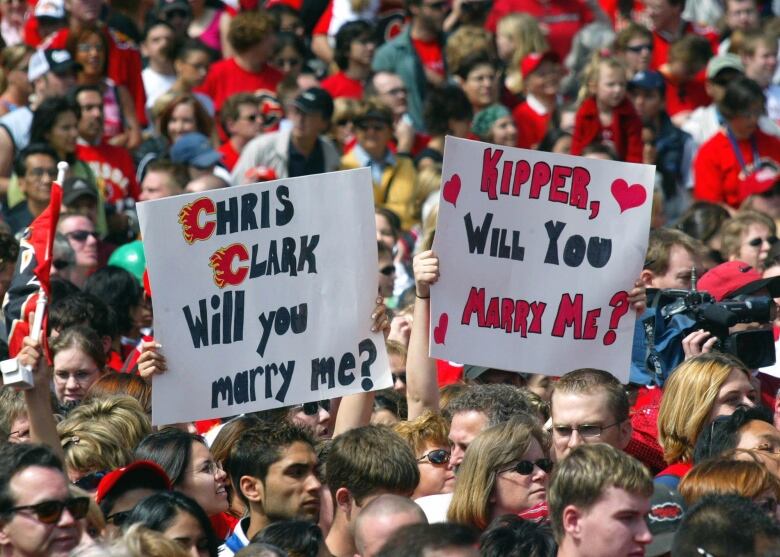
(738, 152)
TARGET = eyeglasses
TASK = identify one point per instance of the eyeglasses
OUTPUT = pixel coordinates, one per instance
(585, 431)
(756, 242)
(118, 519)
(387, 270)
(399, 377)
(49, 512)
(768, 505)
(91, 481)
(38, 172)
(86, 47)
(436, 456)
(372, 127)
(636, 49)
(526, 467)
(313, 408)
(82, 235)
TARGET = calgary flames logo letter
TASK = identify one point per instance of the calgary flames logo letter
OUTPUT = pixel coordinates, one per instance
(188, 218)
(221, 262)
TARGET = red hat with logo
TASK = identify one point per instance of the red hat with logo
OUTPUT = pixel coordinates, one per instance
(760, 181)
(736, 278)
(142, 473)
(532, 61)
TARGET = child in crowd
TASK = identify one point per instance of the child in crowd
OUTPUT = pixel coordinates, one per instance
(542, 74)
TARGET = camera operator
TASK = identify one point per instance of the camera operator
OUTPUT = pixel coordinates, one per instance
(671, 255)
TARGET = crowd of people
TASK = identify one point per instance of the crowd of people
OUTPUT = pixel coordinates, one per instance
(147, 100)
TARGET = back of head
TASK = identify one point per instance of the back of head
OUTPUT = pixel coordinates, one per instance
(511, 536)
(723, 434)
(120, 416)
(586, 473)
(370, 459)
(118, 384)
(748, 478)
(742, 94)
(261, 549)
(498, 402)
(82, 309)
(299, 538)
(589, 381)
(724, 525)
(386, 507)
(417, 540)
(139, 541)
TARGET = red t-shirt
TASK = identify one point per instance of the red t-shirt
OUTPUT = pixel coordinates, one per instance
(716, 168)
(560, 19)
(339, 85)
(531, 125)
(662, 43)
(686, 96)
(229, 155)
(124, 66)
(114, 170)
(226, 78)
(430, 55)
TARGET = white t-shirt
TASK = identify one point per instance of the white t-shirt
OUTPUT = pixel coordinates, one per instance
(435, 507)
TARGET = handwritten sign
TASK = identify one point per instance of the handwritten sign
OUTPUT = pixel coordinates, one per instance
(263, 295)
(537, 255)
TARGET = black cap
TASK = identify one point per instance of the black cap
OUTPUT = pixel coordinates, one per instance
(75, 188)
(315, 99)
(648, 81)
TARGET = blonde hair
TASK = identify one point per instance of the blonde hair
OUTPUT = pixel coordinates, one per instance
(592, 72)
(491, 451)
(428, 181)
(689, 395)
(747, 478)
(143, 542)
(465, 41)
(95, 519)
(424, 429)
(732, 230)
(527, 37)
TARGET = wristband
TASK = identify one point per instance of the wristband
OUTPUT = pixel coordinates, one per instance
(422, 297)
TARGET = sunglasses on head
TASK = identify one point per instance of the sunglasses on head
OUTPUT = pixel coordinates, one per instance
(49, 512)
(526, 467)
(756, 242)
(313, 408)
(437, 456)
(91, 481)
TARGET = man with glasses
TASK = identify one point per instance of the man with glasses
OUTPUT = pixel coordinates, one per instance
(36, 170)
(80, 232)
(38, 516)
(589, 406)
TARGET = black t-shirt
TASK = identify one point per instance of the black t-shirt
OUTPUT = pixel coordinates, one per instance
(300, 165)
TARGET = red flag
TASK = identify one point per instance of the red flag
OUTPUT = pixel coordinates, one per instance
(32, 274)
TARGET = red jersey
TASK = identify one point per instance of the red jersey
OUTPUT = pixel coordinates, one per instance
(229, 155)
(532, 122)
(717, 169)
(339, 85)
(226, 78)
(625, 132)
(114, 169)
(686, 96)
(560, 19)
(430, 55)
(124, 66)
(662, 42)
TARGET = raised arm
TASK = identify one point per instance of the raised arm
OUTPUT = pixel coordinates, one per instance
(422, 386)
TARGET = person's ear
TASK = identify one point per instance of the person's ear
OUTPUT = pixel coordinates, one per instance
(344, 501)
(571, 520)
(626, 430)
(647, 276)
(107, 343)
(252, 488)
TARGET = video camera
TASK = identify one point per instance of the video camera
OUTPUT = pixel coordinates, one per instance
(755, 348)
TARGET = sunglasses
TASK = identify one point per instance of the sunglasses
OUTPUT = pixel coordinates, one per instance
(49, 512)
(171, 14)
(39, 172)
(118, 519)
(756, 242)
(372, 127)
(526, 467)
(387, 270)
(91, 481)
(81, 235)
(399, 377)
(768, 505)
(639, 48)
(313, 408)
(437, 456)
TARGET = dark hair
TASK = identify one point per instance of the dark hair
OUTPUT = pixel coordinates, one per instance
(741, 94)
(553, 135)
(83, 338)
(370, 459)
(285, 39)
(61, 288)
(177, 172)
(259, 447)
(721, 435)
(599, 148)
(82, 309)
(498, 402)
(724, 525)
(9, 248)
(153, 22)
(39, 148)
(300, 538)
(702, 220)
(472, 61)
(444, 104)
(158, 511)
(415, 540)
(73, 93)
(182, 48)
(203, 121)
(346, 35)
(511, 536)
(15, 457)
(46, 116)
(74, 38)
(170, 448)
(119, 290)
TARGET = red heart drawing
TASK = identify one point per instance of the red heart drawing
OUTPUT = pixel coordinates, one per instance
(627, 196)
(440, 331)
(452, 190)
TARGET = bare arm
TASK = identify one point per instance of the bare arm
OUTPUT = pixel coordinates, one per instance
(321, 48)
(224, 27)
(422, 386)
(43, 426)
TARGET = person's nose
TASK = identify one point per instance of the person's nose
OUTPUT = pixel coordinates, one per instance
(575, 439)
(220, 475)
(643, 535)
(323, 415)
(313, 484)
(71, 384)
(66, 519)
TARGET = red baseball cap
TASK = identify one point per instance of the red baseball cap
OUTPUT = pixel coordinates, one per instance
(143, 473)
(532, 61)
(735, 278)
(760, 181)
